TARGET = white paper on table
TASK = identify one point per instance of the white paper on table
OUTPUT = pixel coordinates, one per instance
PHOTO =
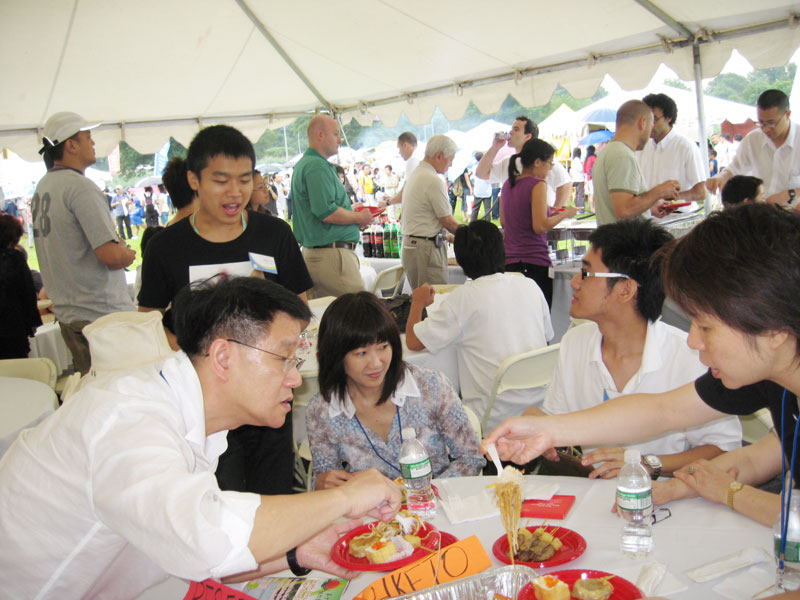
(728, 564)
(745, 585)
(461, 508)
(669, 584)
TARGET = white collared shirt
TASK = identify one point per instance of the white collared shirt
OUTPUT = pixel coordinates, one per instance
(582, 380)
(338, 405)
(674, 157)
(116, 490)
(778, 167)
(557, 176)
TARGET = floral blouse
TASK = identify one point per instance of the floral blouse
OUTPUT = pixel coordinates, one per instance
(426, 401)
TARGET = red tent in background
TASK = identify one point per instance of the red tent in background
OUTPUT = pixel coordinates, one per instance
(734, 128)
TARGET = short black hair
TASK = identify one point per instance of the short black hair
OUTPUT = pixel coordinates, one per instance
(240, 308)
(354, 321)
(628, 247)
(408, 138)
(10, 231)
(772, 99)
(530, 126)
(740, 188)
(215, 141)
(176, 182)
(667, 105)
(479, 249)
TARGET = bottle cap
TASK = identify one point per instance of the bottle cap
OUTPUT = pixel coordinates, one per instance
(409, 433)
(633, 456)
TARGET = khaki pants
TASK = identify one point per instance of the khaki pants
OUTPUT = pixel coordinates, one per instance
(334, 271)
(423, 262)
(78, 345)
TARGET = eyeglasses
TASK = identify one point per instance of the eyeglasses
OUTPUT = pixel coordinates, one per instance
(289, 362)
(585, 274)
(769, 124)
(660, 514)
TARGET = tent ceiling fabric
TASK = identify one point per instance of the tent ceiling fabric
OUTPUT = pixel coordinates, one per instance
(167, 68)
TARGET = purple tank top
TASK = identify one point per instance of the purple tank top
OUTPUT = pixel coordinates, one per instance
(522, 243)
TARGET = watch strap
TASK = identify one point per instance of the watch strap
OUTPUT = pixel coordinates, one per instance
(733, 488)
(655, 469)
(294, 566)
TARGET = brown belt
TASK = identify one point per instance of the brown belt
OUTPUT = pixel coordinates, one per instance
(345, 245)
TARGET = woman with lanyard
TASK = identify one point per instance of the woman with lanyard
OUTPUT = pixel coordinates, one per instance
(737, 274)
(368, 395)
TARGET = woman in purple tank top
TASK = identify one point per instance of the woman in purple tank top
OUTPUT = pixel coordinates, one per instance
(525, 216)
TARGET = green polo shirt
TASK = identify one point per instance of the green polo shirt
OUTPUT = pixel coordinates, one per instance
(316, 194)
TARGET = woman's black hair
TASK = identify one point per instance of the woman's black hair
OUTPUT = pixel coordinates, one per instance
(590, 151)
(533, 149)
(354, 321)
(10, 231)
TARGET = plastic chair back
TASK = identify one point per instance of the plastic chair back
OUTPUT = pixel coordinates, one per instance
(38, 369)
(393, 277)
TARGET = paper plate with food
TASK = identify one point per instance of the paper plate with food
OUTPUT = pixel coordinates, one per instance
(374, 210)
(383, 546)
(541, 547)
(580, 584)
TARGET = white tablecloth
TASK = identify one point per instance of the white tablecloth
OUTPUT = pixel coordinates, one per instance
(698, 532)
(49, 343)
(23, 403)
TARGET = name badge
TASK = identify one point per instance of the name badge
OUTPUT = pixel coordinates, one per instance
(262, 262)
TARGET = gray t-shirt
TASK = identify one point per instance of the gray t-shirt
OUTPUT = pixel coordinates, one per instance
(616, 170)
(70, 220)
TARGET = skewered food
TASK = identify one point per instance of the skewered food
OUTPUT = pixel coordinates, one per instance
(538, 545)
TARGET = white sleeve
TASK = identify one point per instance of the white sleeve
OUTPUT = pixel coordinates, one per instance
(557, 176)
(555, 400)
(442, 327)
(695, 173)
(725, 433)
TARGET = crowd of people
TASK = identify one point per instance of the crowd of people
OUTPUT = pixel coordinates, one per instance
(184, 466)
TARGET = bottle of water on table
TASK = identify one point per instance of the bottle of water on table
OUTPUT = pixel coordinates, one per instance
(415, 466)
(635, 505)
(789, 578)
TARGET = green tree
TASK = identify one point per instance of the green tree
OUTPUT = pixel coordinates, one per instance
(676, 83)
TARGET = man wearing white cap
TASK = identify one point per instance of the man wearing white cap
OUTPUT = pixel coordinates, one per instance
(81, 258)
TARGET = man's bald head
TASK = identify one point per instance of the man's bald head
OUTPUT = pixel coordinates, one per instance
(634, 123)
(630, 112)
(323, 135)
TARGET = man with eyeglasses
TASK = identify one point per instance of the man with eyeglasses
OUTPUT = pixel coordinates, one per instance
(115, 491)
(625, 348)
(771, 152)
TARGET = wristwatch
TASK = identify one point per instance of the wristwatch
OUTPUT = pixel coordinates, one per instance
(734, 487)
(652, 461)
(294, 566)
(792, 194)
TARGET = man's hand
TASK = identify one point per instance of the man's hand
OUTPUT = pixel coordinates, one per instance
(713, 184)
(519, 439)
(499, 141)
(369, 492)
(661, 209)
(332, 478)
(363, 217)
(707, 480)
(612, 459)
(668, 189)
(423, 295)
(316, 552)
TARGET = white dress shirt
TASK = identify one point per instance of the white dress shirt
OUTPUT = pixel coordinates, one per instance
(778, 167)
(582, 380)
(557, 176)
(674, 157)
(116, 490)
(487, 320)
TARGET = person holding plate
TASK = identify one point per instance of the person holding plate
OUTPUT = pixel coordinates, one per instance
(368, 395)
(736, 275)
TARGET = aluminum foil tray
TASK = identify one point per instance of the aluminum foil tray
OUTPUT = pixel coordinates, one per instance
(507, 581)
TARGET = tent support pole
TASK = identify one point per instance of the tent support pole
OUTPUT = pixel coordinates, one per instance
(701, 116)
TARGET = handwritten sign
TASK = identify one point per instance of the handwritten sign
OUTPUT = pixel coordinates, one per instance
(213, 590)
(456, 561)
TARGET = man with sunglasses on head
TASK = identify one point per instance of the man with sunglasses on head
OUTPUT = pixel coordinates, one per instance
(770, 152)
(625, 348)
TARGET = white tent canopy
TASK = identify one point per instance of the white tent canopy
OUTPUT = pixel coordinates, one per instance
(151, 69)
(562, 122)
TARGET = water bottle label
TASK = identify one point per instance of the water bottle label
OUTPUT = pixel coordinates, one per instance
(792, 550)
(417, 469)
(634, 500)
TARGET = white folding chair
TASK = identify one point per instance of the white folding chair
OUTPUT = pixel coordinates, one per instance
(324, 301)
(38, 369)
(522, 371)
(474, 421)
(393, 277)
(756, 425)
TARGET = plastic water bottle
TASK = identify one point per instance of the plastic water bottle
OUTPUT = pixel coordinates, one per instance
(635, 505)
(789, 578)
(415, 466)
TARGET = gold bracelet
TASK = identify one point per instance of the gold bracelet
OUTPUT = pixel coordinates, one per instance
(734, 487)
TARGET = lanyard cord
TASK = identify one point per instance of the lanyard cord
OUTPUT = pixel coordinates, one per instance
(364, 431)
(193, 221)
(786, 496)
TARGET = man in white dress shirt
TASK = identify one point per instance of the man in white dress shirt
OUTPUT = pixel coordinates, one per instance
(771, 153)
(559, 183)
(115, 491)
(670, 155)
(627, 349)
(406, 145)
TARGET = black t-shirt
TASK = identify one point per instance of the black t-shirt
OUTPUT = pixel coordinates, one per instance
(178, 255)
(750, 398)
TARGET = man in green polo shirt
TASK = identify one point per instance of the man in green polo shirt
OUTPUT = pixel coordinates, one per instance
(324, 223)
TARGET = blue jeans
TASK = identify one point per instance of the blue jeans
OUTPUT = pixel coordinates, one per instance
(495, 203)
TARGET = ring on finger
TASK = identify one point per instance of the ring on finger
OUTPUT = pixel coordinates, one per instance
(691, 470)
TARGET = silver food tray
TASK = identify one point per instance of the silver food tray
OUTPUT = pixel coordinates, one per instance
(483, 586)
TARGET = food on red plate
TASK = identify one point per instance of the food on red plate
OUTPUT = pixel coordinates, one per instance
(386, 542)
(538, 545)
(548, 587)
(593, 589)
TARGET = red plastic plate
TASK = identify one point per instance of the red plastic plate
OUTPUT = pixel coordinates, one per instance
(340, 552)
(573, 546)
(623, 589)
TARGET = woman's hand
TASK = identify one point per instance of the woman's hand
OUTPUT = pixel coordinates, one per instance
(669, 490)
(570, 211)
(707, 480)
(332, 478)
